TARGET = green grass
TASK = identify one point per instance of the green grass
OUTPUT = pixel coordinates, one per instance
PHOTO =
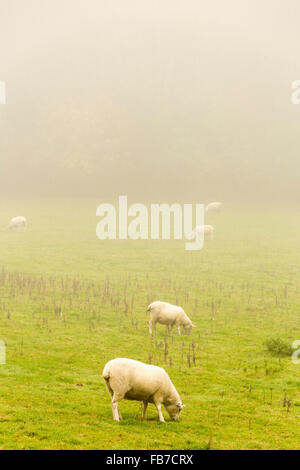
(69, 303)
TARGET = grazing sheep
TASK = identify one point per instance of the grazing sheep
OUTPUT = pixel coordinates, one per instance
(17, 223)
(208, 230)
(134, 380)
(214, 207)
(169, 315)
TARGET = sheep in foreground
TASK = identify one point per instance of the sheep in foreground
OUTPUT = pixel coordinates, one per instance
(169, 315)
(134, 380)
(17, 223)
(214, 207)
(207, 230)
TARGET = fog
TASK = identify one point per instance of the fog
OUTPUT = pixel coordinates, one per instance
(158, 100)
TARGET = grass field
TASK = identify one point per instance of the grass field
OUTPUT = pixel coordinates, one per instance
(69, 303)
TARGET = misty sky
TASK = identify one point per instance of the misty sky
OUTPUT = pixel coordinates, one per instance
(180, 100)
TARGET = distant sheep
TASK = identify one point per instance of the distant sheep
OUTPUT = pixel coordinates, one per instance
(169, 315)
(208, 231)
(17, 223)
(134, 380)
(214, 207)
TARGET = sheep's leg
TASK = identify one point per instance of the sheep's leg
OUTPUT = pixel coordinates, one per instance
(178, 328)
(115, 411)
(160, 415)
(114, 404)
(152, 326)
(144, 410)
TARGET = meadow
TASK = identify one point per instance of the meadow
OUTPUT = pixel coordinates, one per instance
(70, 302)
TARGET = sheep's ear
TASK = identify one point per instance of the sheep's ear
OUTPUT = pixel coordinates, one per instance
(180, 405)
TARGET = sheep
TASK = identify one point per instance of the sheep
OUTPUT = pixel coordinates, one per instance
(208, 230)
(134, 380)
(214, 207)
(169, 315)
(17, 223)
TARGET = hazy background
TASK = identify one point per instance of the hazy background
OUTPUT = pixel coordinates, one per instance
(162, 100)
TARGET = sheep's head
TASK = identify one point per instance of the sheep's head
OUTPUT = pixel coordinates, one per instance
(175, 410)
(188, 328)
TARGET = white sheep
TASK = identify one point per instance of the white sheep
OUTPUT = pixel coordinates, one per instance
(17, 223)
(214, 207)
(169, 315)
(134, 380)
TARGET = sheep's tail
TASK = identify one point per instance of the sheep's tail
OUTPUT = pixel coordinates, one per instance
(106, 375)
